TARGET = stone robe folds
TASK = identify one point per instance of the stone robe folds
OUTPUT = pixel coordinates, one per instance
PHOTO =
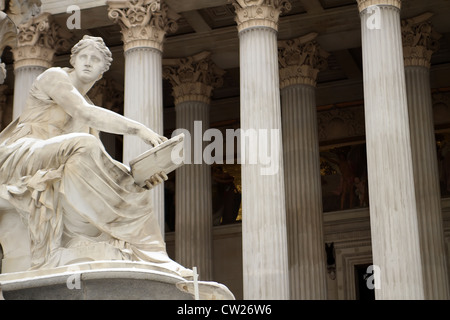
(77, 202)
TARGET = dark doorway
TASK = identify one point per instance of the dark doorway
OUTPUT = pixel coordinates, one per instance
(363, 292)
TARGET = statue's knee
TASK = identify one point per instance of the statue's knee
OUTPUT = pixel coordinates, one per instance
(87, 144)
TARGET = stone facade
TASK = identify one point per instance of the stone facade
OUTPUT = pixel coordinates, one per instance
(322, 74)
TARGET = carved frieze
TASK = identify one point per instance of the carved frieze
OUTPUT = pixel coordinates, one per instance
(259, 13)
(143, 23)
(420, 40)
(300, 60)
(193, 78)
(341, 123)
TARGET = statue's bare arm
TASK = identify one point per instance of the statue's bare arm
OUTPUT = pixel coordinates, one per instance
(58, 86)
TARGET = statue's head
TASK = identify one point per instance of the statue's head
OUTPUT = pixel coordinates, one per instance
(98, 44)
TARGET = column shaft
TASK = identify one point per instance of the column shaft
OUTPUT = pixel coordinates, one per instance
(303, 193)
(23, 80)
(193, 80)
(143, 103)
(393, 212)
(426, 181)
(143, 26)
(263, 199)
(193, 197)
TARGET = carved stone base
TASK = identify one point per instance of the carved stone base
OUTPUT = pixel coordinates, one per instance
(106, 280)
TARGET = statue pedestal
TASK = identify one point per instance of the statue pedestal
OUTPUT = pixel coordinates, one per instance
(106, 280)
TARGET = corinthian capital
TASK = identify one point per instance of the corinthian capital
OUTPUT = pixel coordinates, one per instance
(420, 40)
(364, 4)
(143, 23)
(300, 60)
(255, 13)
(37, 41)
(193, 78)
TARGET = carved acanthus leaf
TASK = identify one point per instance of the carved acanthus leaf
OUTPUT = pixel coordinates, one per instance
(193, 77)
(420, 40)
(143, 22)
(266, 13)
(300, 60)
(37, 41)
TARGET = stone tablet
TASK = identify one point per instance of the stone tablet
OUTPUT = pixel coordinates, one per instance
(161, 158)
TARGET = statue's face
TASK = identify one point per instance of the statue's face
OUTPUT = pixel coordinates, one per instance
(89, 64)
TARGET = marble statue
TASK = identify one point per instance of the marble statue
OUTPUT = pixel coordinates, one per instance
(75, 201)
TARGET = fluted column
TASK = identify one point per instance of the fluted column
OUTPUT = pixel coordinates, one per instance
(36, 46)
(393, 211)
(419, 43)
(144, 24)
(193, 80)
(300, 61)
(264, 242)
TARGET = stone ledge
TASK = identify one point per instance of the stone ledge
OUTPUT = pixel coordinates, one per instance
(106, 280)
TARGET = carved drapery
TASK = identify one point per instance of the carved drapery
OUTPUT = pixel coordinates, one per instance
(300, 61)
(193, 78)
(259, 13)
(420, 40)
(143, 23)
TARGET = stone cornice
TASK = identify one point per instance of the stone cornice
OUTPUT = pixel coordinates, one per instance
(259, 13)
(300, 60)
(420, 40)
(364, 4)
(37, 41)
(193, 78)
(143, 23)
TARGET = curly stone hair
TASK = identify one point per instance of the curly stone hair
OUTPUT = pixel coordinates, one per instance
(98, 43)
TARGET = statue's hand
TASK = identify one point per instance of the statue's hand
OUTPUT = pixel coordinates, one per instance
(151, 137)
(156, 179)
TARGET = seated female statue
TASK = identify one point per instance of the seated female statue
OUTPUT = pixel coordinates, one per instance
(77, 203)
